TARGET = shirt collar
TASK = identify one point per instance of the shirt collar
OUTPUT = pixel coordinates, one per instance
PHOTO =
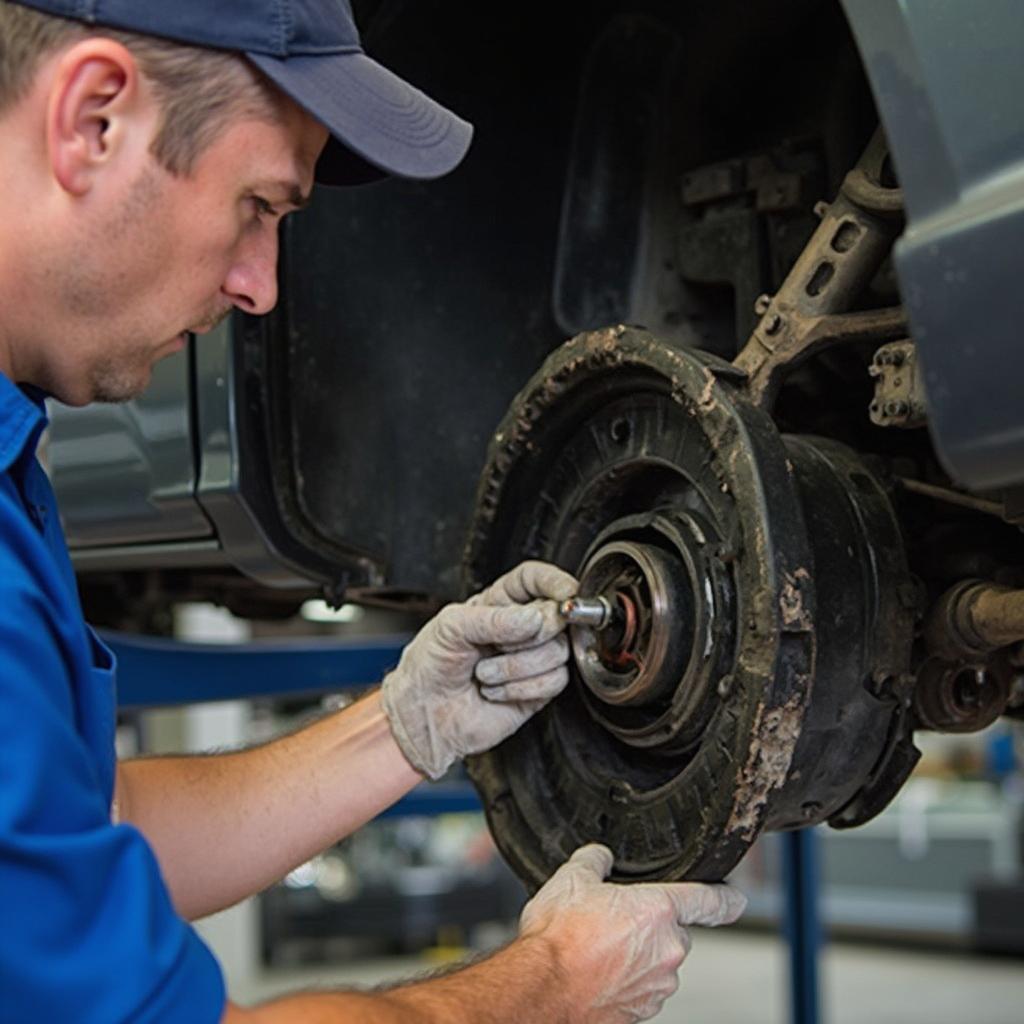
(22, 420)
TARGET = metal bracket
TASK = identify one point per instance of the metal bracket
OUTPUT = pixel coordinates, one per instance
(899, 387)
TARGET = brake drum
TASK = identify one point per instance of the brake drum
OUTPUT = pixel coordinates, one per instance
(747, 684)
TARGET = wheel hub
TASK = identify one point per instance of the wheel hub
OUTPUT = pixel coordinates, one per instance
(622, 663)
(644, 675)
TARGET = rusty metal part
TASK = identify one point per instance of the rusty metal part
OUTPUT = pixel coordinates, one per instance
(742, 222)
(627, 672)
(619, 645)
(648, 680)
(1015, 700)
(996, 614)
(810, 312)
(655, 644)
(899, 399)
(960, 696)
(974, 618)
(772, 186)
(592, 612)
(871, 183)
(951, 497)
(781, 569)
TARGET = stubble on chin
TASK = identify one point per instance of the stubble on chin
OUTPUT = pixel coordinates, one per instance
(123, 379)
(114, 382)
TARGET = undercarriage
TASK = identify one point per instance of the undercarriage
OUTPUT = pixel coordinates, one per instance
(780, 638)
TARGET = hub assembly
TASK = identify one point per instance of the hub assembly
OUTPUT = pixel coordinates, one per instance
(748, 671)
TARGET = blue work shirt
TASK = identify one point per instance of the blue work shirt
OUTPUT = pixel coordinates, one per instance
(87, 929)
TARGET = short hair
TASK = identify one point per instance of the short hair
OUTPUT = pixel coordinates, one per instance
(200, 90)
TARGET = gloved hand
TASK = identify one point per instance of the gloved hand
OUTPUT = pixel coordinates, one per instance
(621, 945)
(511, 637)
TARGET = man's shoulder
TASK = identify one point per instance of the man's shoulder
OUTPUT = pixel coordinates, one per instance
(16, 525)
(15, 521)
(22, 417)
(28, 571)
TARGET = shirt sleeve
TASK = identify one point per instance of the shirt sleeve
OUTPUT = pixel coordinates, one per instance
(87, 929)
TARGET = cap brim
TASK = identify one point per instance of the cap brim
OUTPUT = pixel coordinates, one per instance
(380, 125)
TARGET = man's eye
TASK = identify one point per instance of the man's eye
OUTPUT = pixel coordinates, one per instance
(263, 208)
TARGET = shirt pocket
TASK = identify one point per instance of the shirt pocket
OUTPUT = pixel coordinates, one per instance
(98, 711)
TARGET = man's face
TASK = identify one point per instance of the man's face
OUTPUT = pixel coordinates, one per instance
(165, 255)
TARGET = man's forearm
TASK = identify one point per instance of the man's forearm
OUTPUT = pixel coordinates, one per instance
(228, 825)
(523, 982)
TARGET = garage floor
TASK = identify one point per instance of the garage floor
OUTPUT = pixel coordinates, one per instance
(738, 978)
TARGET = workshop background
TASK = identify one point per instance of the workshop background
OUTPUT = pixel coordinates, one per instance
(916, 906)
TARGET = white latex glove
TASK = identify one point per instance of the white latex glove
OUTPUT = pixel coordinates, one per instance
(622, 945)
(525, 583)
(477, 671)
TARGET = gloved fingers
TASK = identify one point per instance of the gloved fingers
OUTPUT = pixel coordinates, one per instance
(651, 1006)
(539, 688)
(523, 663)
(552, 626)
(530, 580)
(698, 903)
(672, 950)
(528, 708)
(686, 941)
(594, 859)
(540, 579)
(460, 625)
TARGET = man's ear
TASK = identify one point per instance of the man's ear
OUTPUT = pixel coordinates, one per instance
(93, 100)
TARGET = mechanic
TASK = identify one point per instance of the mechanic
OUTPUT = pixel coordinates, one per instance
(149, 151)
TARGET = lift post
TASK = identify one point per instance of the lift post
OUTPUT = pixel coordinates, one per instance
(802, 922)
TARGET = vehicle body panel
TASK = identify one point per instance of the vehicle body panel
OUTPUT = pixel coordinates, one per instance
(947, 78)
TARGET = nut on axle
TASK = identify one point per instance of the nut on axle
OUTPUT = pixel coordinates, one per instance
(593, 612)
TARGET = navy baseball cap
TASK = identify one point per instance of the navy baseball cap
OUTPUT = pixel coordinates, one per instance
(379, 124)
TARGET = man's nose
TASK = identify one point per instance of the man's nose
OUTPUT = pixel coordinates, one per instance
(251, 283)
